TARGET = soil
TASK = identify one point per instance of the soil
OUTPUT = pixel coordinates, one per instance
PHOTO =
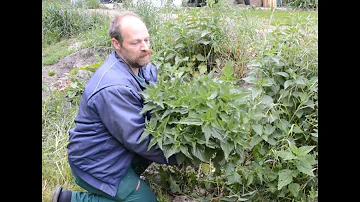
(60, 70)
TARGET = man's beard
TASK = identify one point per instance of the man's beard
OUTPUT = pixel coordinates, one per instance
(138, 62)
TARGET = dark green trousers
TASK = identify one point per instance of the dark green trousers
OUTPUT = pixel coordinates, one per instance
(131, 188)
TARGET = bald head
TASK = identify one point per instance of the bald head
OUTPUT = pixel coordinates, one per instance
(122, 21)
(130, 39)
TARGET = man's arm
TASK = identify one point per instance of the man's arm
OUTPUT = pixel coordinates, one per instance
(119, 109)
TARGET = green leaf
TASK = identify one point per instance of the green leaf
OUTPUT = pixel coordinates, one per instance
(285, 178)
(255, 91)
(213, 95)
(185, 151)
(205, 32)
(169, 56)
(190, 121)
(148, 107)
(294, 189)
(255, 140)
(174, 187)
(267, 100)
(288, 83)
(293, 148)
(269, 129)
(200, 154)
(227, 148)
(284, 74)
(169, 151)
(228, 70)
(204, 42)
(200, 57)
(271, 141)
(234, 178)
(258, 129)
(302, 151)
(210, 131)
(286, 155)
(304, 166)
(202, 68)
(179, 45)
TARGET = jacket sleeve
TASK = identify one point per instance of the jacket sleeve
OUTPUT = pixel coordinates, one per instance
(119, 109)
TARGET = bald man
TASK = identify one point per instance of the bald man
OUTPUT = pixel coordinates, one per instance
(105, 153)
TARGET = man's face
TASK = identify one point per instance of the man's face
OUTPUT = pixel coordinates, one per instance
(136, 42)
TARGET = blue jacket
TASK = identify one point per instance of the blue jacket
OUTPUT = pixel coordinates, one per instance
(108, 126)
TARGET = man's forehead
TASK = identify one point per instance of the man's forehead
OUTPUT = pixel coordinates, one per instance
(131, 21)
(134, 28)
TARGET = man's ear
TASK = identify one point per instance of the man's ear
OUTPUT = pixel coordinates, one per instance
(115, 43)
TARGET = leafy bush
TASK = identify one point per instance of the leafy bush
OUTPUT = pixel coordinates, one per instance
(259, 142)
(238, 138)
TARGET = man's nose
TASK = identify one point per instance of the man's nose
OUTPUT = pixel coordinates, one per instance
(145, 45)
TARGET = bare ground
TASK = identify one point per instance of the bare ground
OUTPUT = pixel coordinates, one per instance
(60, 70)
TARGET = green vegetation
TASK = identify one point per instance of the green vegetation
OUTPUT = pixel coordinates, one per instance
(238, 105)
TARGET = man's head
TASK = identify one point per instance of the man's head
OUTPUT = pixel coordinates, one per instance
(130, 39)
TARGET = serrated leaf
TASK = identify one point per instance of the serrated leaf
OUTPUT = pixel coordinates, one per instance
(294, 189)
(153, 142)
(185, 151)
(293, 148)
(286, 155)
(271, 141)
(200, 154)
(255, 140)
(234, 178)
(267, 100)
(304, 167)
(169, 151)
(227, 148)
(288, 83)
(285, 178)
(255, 91)
(190, 121)
(210, 131)
(213, 95)
(269, 129)
(148, 107)
(284, 74)
(304, 150)
(169, 56)
(257, 128)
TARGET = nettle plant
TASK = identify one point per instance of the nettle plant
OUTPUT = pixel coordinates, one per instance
(198, 119)
(285, 80)
(241, 144)
(191, 40)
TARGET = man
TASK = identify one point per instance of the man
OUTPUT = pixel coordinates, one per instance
(105, 154)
